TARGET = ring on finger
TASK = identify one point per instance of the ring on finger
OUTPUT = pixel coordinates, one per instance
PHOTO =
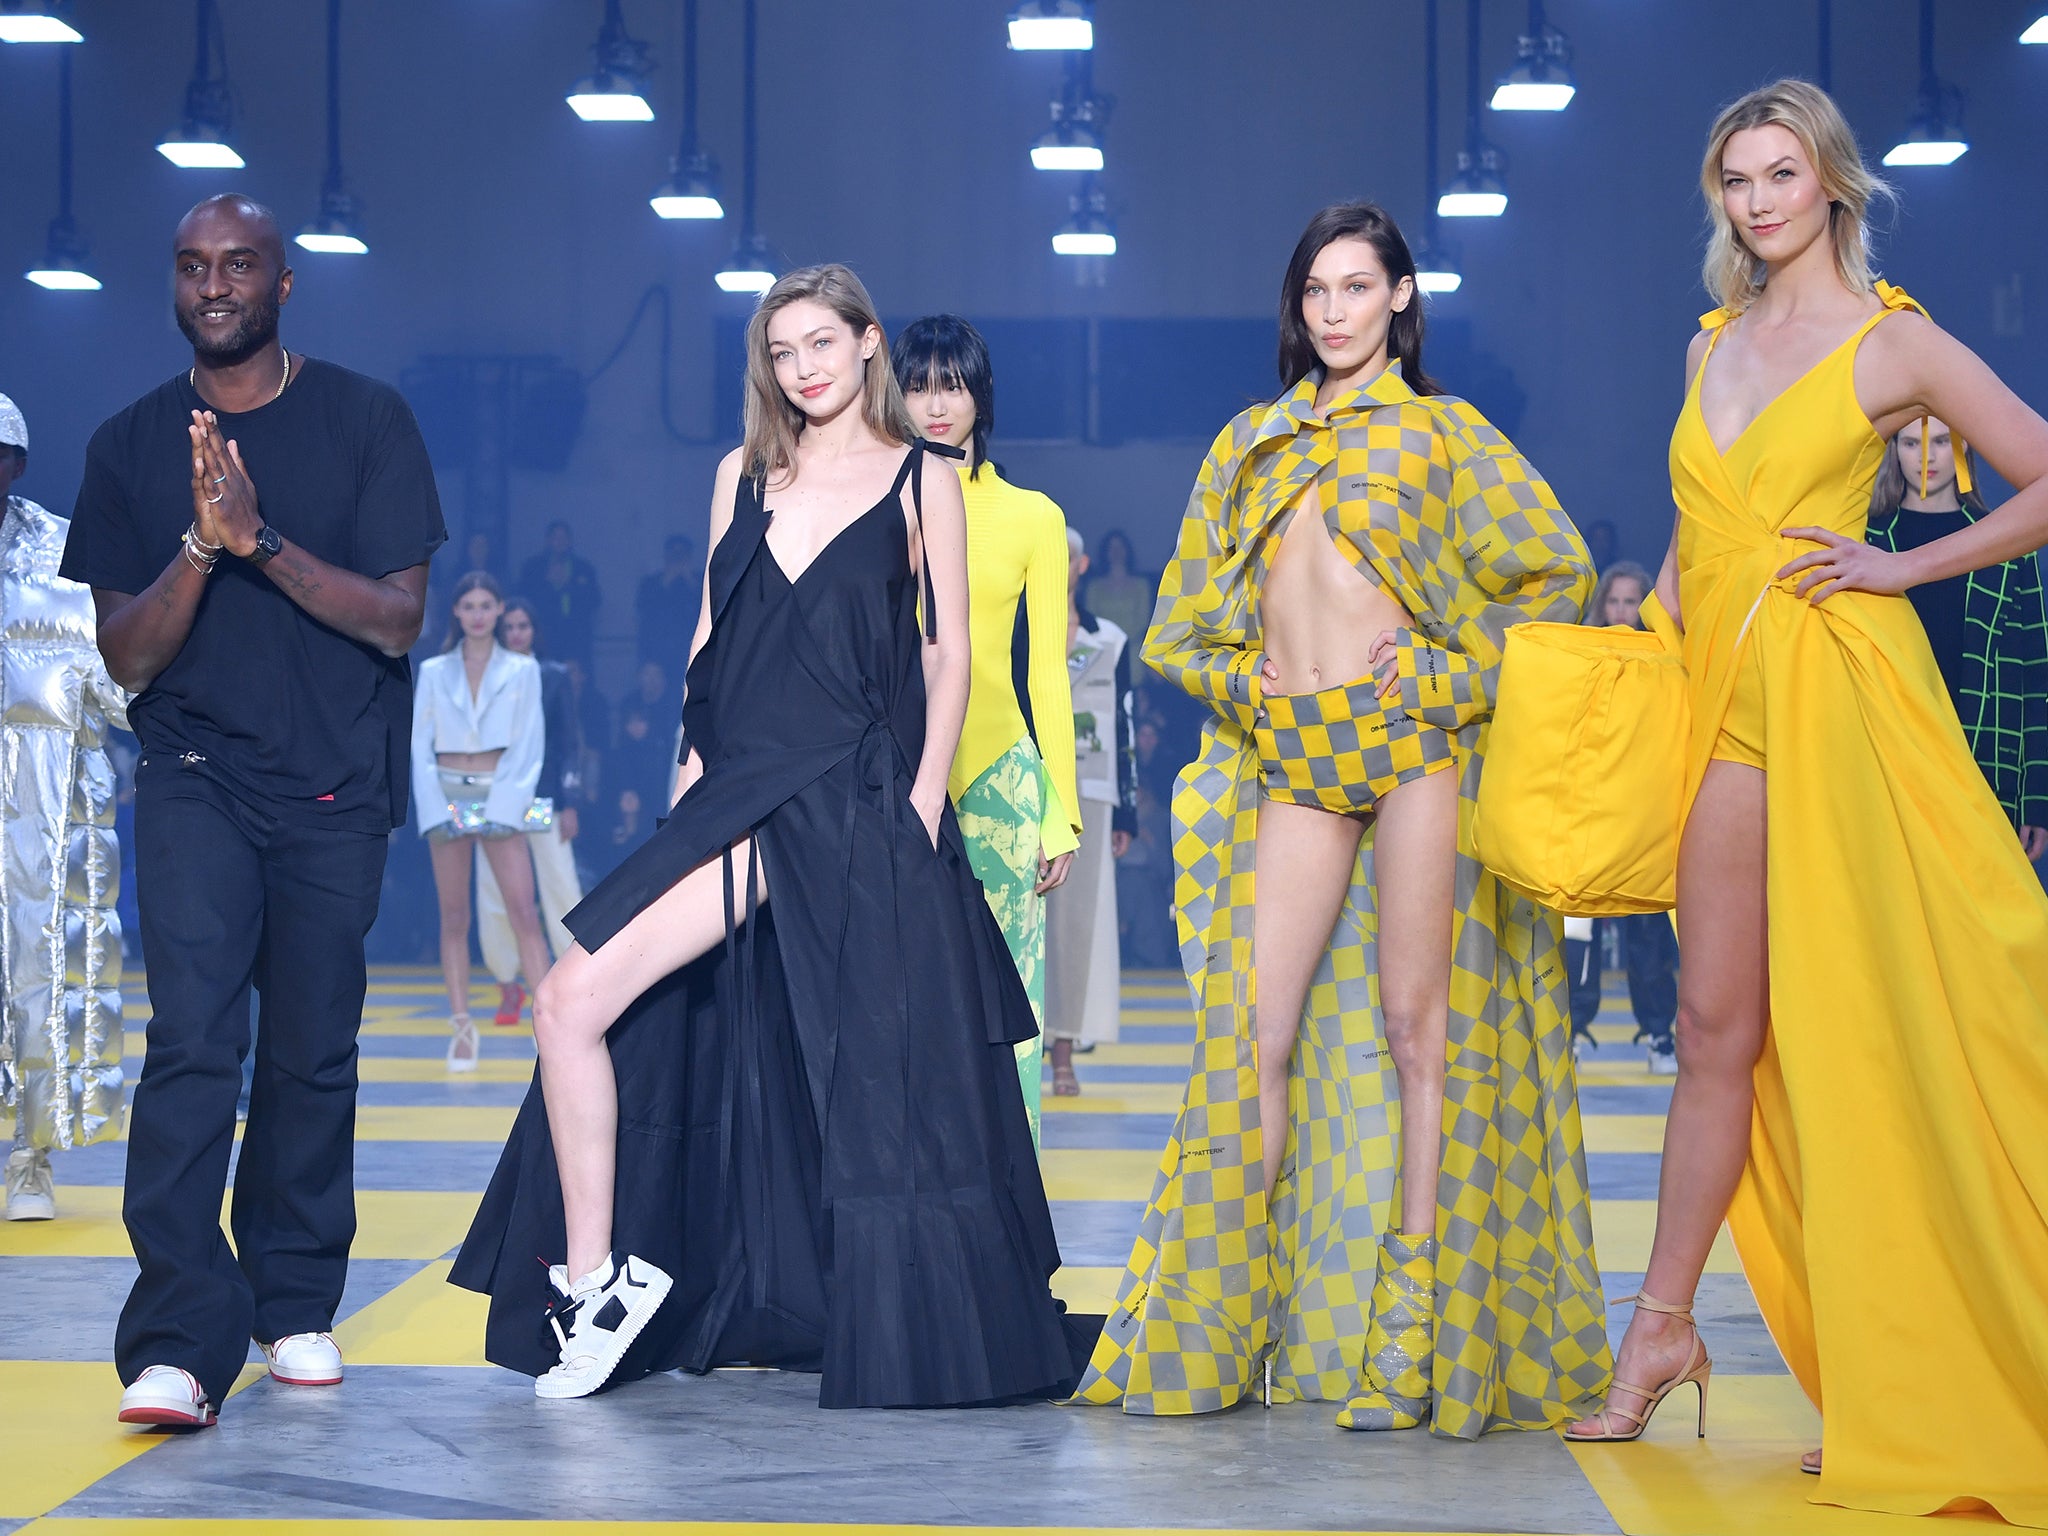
(220, 479)
(211, 500)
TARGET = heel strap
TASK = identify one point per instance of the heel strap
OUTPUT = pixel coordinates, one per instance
(1649, 1303)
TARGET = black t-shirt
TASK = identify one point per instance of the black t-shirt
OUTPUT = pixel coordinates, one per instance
(304, 722)
(1939, 603)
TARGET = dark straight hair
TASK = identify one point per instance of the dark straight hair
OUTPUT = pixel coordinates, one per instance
(947, 352)
(1353, 221)
(472, 581)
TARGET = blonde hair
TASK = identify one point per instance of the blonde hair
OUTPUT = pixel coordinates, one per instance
(772, 423)
(1732, 272)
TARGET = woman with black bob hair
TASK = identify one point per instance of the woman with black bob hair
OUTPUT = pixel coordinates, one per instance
(1019, 809)
(1350, 657)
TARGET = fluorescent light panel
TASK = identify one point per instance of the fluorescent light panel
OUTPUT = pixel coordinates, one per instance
(1926, 152)
(63, 278)
(1067, 157)
(1076, 33)
(38, 29)
(200, 155)
(1472, 205)
(687, 207)
(611, 107)
(1084, 242)
(1438, 282)
(746, 280)
(332, 245)
(2037, 33)
(1532, 96)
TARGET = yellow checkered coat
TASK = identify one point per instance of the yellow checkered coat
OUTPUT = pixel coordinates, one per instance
(1438, 507)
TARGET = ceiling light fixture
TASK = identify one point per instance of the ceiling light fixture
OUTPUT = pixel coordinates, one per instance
(37, 21)
(1053, 24)
(1934, 134)
(1435, 270)
(1074, 141)
(201, 141)
(615, 91)
(1477, 191)
(691, 191)
(1088, 230)
(750, 268)
(64, 252)
(2037, 32)
(334, 230)
(1541, 80)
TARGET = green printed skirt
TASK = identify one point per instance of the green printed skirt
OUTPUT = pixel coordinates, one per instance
(999, 817)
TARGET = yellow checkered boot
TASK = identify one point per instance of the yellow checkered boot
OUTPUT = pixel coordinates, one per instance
(1400, 1341)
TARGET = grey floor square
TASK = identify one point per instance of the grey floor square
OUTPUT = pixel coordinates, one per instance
(754, 1446)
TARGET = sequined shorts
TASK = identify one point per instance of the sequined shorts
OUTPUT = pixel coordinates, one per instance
(1742, 728)
(467, 795)
(1342, 749)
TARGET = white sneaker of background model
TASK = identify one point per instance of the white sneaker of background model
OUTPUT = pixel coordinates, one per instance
(31, 1188)
(1663, 1063)
(163, 1394)
(604, 1313)
(305, 1360)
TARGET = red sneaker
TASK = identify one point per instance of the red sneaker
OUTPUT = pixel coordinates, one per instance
(511, 999)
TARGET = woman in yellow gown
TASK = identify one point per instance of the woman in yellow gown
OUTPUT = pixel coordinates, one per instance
(1863, 1022)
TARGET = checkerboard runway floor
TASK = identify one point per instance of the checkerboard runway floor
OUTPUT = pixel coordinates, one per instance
(425, 1436)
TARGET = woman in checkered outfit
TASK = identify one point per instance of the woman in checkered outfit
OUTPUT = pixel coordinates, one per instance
(1437, 1269)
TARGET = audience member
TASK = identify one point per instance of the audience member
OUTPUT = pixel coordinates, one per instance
(562, 585)
(1118, 592)
(666, 604)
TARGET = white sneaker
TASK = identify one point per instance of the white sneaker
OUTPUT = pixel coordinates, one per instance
(604, 1313)
(31, 1188)
(305, 1360)
(1663, 1063)
(163, 1394)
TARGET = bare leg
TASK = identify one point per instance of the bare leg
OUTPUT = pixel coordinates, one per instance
(1723, 1010)
(451, 885)
(579, 1000)
(513, 865)
(1305, 858)
(1414, 859)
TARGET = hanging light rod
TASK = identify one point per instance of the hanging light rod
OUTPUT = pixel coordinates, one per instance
(37, 21)
(1541, 80)
(751, 267)
(1435, 270)
(1088, 231)
(1074, 141)
(1053, 24)
(615, 90)
(1476, 191)
(691, 191)
(64, 252)
(201, 141)
(334, 230)
(1934, 133)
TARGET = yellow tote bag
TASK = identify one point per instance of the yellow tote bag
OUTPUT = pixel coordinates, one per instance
(1585, 767)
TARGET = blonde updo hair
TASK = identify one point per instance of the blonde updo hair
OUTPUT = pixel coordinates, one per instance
(1732, 272)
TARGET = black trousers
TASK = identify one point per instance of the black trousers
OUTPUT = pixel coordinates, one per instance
(231, 897)
(1650, 951)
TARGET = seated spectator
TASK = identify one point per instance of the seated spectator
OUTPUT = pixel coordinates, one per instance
(562, 585)
(666, 604)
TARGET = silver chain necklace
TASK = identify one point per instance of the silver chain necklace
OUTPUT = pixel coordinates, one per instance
(192, 378)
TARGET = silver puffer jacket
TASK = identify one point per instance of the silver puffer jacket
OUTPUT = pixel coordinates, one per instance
(60, 944)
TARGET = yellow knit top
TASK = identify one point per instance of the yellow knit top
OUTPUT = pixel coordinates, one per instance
(1017, 547)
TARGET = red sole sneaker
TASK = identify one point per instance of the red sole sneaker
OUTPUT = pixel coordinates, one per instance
(171, 1416)
(304, 1381)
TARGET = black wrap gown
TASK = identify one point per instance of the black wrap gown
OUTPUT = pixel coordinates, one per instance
(821, 1134)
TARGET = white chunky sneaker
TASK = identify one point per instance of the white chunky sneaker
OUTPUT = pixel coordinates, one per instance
(1663, 1063)
(163, 1394)
(31, 1188)
(596, 1319)
(305, 1360)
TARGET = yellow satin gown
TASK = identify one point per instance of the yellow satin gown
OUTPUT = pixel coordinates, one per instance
(1893, 1217)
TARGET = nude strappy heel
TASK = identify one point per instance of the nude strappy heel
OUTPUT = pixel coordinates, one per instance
(1697, 1369)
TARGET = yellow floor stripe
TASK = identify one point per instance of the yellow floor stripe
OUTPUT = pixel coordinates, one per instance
(1624, 1133)
(1087, 1287)
(1621, 1239)
(1089, 1175)
(390, 1224)
(434, 1122)
(1743, 1477)
(1105, 1098)
(425, 1321)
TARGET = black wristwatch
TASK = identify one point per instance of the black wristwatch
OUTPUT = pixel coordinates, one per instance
(268, 542)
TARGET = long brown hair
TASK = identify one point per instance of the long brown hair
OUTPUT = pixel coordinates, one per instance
(772, 422)
(471, 581)
(1621, 570)
(1373, 224)
(1889, 494)
(1732, 272)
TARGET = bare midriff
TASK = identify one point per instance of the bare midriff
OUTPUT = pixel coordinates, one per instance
(1318, 613)
(470, 762)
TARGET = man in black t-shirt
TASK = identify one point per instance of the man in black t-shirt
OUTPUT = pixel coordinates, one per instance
(256, 533)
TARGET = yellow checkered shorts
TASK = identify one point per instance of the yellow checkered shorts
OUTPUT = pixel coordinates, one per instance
(1343, 748)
